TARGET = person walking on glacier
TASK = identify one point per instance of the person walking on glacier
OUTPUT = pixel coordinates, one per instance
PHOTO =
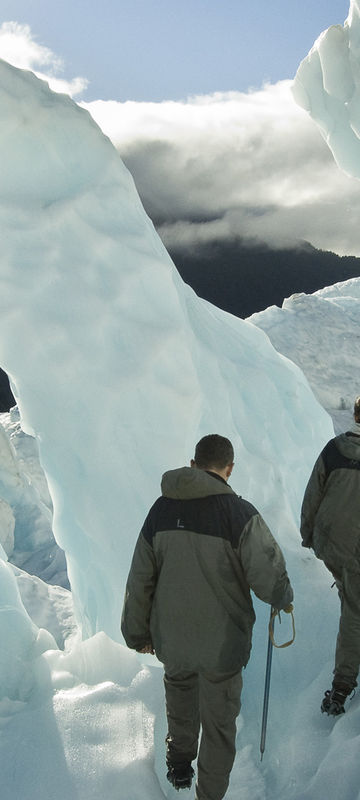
(200, 551)
(330, 525)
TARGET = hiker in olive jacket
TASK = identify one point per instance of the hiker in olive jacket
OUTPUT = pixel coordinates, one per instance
(330, 525)
(200, 551)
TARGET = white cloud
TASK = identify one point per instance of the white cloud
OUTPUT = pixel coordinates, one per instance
(18, 47)
(249, 164)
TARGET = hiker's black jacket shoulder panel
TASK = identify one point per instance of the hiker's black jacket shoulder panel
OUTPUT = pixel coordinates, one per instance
(224, 516)
(334, 459)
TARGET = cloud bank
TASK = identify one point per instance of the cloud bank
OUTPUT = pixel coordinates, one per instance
(236, 164)
(250, 165)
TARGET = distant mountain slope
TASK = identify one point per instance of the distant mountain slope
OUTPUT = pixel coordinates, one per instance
(244, 280)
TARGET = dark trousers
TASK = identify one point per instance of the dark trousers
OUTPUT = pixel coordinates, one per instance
(214, 702)
(347, 654)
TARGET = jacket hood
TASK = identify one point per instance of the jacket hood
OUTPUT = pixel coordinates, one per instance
(349, 446)
(188, 483)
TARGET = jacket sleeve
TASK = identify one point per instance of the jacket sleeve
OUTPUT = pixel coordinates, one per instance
(139, 592)
(264, 564)
(313, 496)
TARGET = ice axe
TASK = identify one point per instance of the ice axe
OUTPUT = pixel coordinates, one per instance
(271, 643)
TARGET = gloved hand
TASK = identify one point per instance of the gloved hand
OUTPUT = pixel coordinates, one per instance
(289, 609)
(148, 648)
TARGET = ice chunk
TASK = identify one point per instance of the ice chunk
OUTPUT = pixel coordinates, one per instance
(333, 49)
(18, 636)
(27, 506)
(297, 331)
(7, 526)
(93, 661)
(327, 86)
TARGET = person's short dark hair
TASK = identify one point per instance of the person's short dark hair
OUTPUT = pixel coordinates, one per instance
(357, 409)
(214, 451)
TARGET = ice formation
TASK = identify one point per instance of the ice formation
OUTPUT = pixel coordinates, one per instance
(327, 86)
(25, 507)
(117, 366)
(22, 642)
(118, 369)
(319, 333)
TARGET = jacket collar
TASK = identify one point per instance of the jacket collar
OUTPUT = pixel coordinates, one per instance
(189, 483)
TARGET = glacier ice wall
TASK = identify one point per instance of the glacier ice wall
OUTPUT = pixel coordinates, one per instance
(118, 368)
(327, 86)
(330, 362)
(22, 642)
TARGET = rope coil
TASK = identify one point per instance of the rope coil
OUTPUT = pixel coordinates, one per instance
(274, 614)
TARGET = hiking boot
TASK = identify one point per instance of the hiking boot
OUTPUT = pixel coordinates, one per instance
(180, 775)
(334, 699)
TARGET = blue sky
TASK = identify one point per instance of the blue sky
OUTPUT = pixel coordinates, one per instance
(169, 49)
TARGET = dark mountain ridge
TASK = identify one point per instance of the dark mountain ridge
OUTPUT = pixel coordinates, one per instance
(242, 279)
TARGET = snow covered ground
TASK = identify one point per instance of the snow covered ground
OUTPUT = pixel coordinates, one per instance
(118, 369)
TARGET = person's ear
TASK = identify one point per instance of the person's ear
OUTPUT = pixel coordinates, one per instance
(192, 463)
(229, 469)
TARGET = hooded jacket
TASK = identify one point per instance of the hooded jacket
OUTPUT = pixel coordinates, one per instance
(330, 515)
(200, 551)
